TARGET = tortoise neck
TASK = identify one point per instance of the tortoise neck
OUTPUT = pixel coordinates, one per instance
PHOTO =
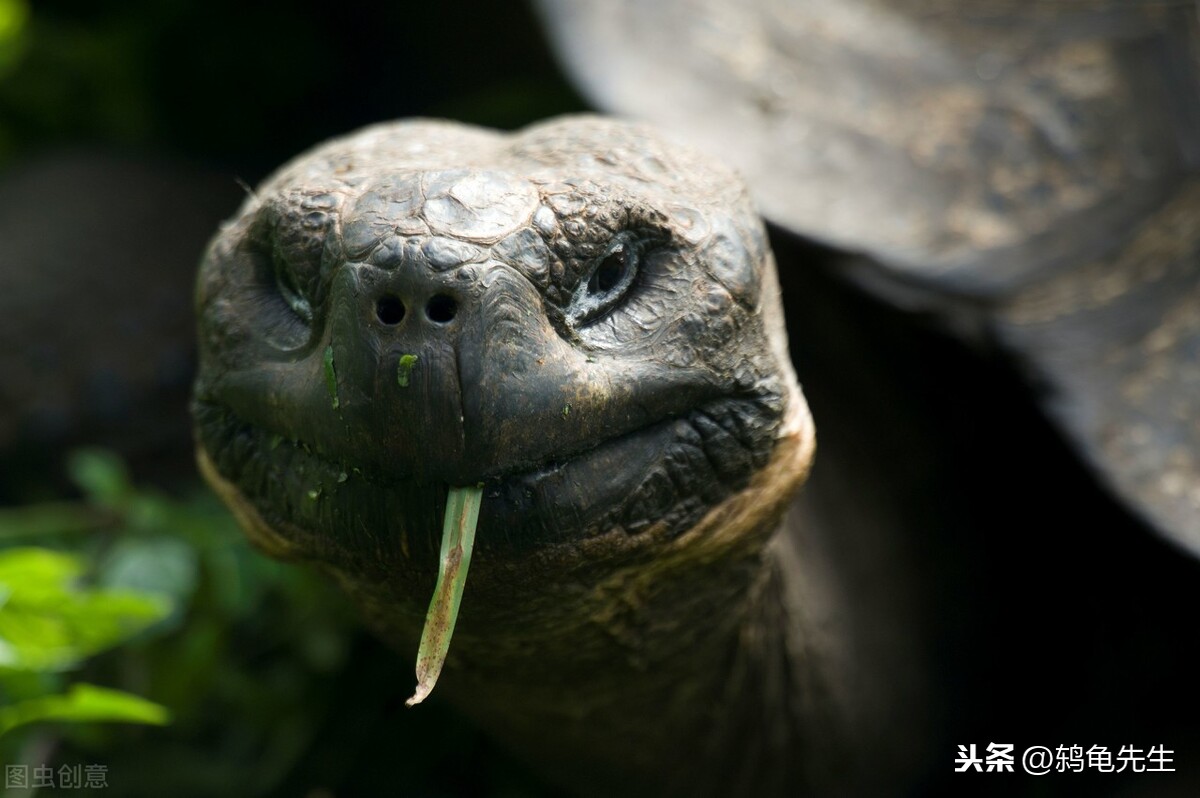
(643, 666)
(730, 699)
(684, 669)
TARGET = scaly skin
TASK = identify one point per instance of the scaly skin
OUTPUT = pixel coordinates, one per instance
(584, 318)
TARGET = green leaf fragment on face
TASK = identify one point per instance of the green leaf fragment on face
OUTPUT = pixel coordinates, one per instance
(458, 538)
(331, 377)
(404, 369)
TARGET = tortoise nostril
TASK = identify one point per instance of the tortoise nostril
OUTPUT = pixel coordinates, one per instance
(389, 310)
(441, 309)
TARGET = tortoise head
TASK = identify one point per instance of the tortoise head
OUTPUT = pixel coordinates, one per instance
(580, 317)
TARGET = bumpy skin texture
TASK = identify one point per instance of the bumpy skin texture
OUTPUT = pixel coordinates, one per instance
(584, 318)
(669, 368)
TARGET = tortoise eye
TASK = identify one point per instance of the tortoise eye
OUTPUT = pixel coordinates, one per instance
(289, 289)
(611, 277)
(610, 273)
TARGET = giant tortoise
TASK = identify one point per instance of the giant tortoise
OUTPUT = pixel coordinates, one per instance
(582, 320)
(585, 321)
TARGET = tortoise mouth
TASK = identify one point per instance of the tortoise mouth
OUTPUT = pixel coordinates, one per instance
(662, 477)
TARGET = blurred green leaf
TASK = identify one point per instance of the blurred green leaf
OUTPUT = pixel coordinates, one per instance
(48, 623)
(82, 703)
(164, 566)
(37, 574)
(40, 521)
(102, 476)
(14, 17)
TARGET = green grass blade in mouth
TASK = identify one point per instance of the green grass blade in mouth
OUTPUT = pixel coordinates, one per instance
(458, 538)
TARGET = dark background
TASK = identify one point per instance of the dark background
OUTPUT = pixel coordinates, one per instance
(1054, 617)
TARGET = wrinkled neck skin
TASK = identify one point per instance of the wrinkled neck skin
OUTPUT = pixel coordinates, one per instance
(619, 675)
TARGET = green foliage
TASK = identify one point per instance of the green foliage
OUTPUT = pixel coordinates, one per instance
(47, 623)
(82, 702)
(161, 597)
(51, 622)
(14, 18)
